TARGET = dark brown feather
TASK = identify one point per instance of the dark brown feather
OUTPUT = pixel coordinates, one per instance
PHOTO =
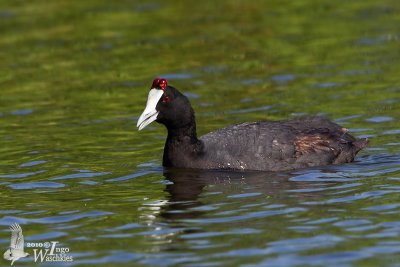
(318, 140)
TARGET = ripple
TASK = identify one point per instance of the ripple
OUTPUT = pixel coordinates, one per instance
(348, 223)
(283, 78)
(22, 112)
(248, 216)
(47, 236)
(128, 226)
(32, 163)
(87, 182)
(346, 118)
(301, 244)
(390, 132)
(131, 176)
(353, 198)
(33, 185)
(21, 175)
(167, 259)
(115, 257)
(379, 119)
(382, 207)
(245, 195)
(82, 174)
(362, 228)
(318, 176)
(8, 220)
(116, 236)
(322, 221)
(247, 252)
(328, 85)
(376, 40)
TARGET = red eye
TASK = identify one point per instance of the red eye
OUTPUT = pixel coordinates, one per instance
(166, 99)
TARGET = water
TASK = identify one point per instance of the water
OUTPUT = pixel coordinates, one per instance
(73, 169)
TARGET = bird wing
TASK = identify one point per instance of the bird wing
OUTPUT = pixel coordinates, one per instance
(278, 145)
(17, 238)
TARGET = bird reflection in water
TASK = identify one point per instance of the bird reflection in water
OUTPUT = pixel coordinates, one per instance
(197, 198)
(188, 189)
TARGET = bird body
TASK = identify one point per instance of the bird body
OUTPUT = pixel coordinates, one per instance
(264, 145)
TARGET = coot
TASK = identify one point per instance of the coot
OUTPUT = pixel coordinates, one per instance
(263, 145)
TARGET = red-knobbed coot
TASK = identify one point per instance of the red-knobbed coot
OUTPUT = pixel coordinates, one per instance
(265, 145)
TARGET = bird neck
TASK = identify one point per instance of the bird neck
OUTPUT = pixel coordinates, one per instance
(186, 133)
(181, 145)
(183, 130)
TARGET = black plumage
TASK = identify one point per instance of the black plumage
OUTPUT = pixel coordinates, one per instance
(265, 145)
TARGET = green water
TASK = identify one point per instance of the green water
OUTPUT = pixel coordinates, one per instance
(74, 77)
